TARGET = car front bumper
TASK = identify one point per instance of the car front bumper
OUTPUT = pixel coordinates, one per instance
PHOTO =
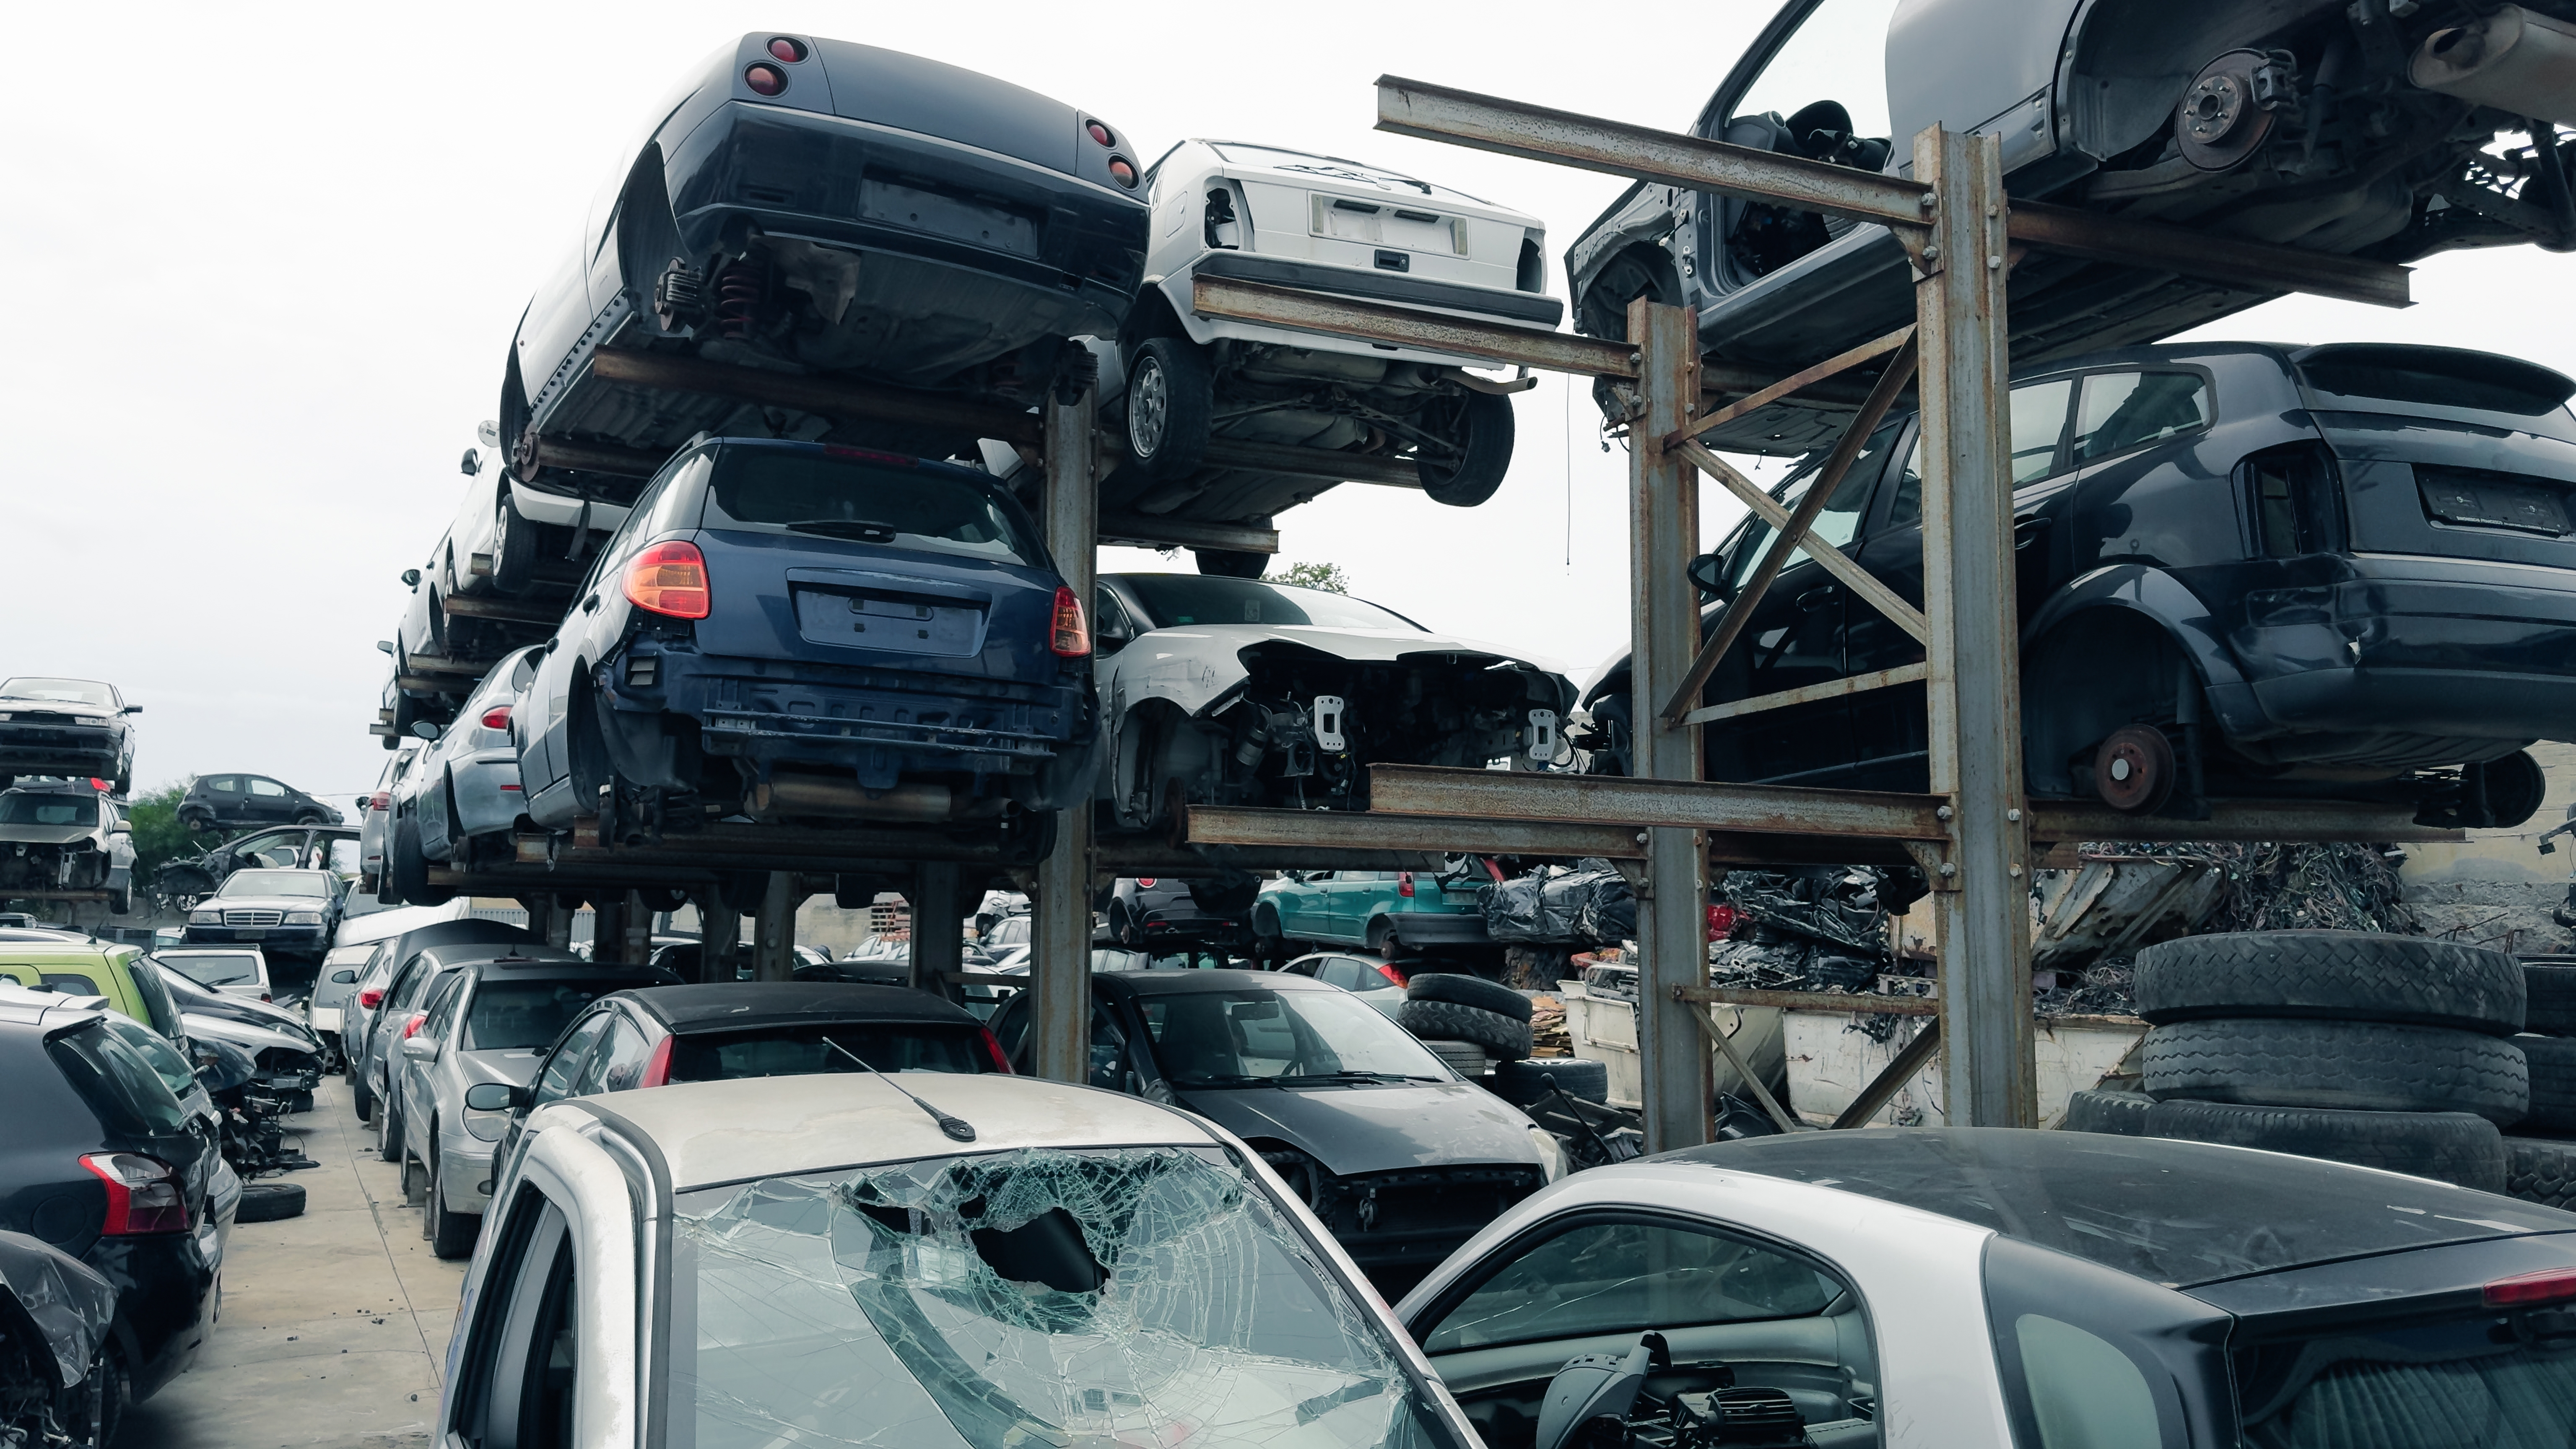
(67, 749)
(465, 1173)
(273, 938)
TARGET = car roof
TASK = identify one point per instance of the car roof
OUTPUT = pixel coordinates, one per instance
(2174, 1213)
(51, 1010)
(451, 954)
(723, 1005)
(704, 1130)
(55, 950)
(1171, 983)
(549, 969)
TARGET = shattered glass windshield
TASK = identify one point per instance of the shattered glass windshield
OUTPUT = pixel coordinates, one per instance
(1152, 1297)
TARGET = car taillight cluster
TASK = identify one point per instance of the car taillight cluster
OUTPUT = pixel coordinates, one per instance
(371, 999)
(669, 578)
(1071, 637)
(768, 80)
(412, 1024)
(2523, 1290)
(1121, 170)
(1404, 884)
(993, 1044)
(143, 1195)
(497, 717)
(657, 1068)
(381, 800)
(1388, 971)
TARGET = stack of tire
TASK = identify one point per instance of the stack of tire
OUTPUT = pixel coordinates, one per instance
(1442, 1007)
(2540, 1152)
(2394, 1052)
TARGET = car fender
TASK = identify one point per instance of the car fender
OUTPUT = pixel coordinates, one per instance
(2151, 591)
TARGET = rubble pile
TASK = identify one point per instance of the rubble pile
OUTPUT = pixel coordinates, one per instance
(2270, 886)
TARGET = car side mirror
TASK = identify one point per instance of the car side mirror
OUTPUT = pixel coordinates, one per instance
(472, 463)
(411, 578)
(1708, 574)
(344, 978)
(385, 645)
(131, 709)
(494, 1097)
(424, 729)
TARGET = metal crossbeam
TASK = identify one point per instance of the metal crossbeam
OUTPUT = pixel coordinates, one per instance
(1153, 531)
(1808, 694)
(1411, 327)
(1794, 382)
(1326, 830)
(1863, 584)
(2157, 246)
(1678, 804)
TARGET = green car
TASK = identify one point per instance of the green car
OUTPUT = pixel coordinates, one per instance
(1390, 912)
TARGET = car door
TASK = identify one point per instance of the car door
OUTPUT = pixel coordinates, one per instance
(1350, 902)
(520, 1355)
(224, 797)
(1300, 905)
(418, 1054)
(267, 799)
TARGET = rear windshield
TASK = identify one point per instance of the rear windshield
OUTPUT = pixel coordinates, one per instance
(1174, 599)
(163, 1058)
(229, 969)
(530, 1014)
(2438, 377)
(865, 498)
(156, 995)
(116, 1081)
(276, 883)
(2492, 1379)
(20, 808)
(803, 1050)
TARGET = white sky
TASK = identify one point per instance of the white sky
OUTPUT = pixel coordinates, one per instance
(268, 260)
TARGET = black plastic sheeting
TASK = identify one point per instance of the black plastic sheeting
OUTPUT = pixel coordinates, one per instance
(1586, 904)
(57, 1299)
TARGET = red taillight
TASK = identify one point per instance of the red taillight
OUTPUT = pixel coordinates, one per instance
(657, 1067)
(413, 1024)
(371, 999)
(98, 784)
(142, 1194)
(993, 1044)
(1072, 637)
(1390, 973)
(1100, 133)
(2550, 1285)
(1404, 884)
(381, 800)
(263, 996)
(1721, 922)
(787, 49)
(497, 717)
(669, 578)
(765, 79)
(1122, 172)
(1146, 882)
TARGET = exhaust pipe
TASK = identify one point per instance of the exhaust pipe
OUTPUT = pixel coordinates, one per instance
(840, 797)
(2513, 60)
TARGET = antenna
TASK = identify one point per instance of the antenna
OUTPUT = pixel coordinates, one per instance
(958, 1129)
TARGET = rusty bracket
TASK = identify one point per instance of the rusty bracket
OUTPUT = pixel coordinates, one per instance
(1933, 857)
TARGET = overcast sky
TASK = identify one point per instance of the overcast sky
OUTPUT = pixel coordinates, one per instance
(268, 260)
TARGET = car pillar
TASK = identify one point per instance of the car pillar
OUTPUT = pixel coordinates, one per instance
(937, 906)
(1060, 933)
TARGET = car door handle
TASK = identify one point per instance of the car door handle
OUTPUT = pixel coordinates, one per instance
(590, 605)
(1816, 598)
(2027, 531)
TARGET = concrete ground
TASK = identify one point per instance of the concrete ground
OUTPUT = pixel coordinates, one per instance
(334, 1326)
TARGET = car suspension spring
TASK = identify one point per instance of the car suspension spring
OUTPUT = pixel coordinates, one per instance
(739, 288)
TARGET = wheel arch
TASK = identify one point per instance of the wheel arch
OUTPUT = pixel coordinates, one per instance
(2082, 673)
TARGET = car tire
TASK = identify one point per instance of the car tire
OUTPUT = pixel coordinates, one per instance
(1171, 406)
(268, 1202)
(2552, 1061)
(1473, 991)
(1231, 563)
(197, 820)
(1484, 429)
(2117, 1114)
(451, 1234)
(389, 1134)
(359, 1097)
(2549, 996)
(2331, 976)
(2541, 1170)
(115, 1395)
(1448, 1021)
(1122, 927)
(120, 900)
(514, 547)
(309, 817)
(408, 868)
(2452, 1147)
(2341, 1065)
(1530, 1079)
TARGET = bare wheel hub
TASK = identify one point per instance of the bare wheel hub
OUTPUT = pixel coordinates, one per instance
(2134, 769)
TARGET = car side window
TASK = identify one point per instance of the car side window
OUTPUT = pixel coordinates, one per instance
(1627, 1276)
(1839, 521)
(1110, 619)
(224, 785)
(443, 1006)
(620, 1064)
(269, 788)
(2038, 421)
(563, 1068)
(1339, 971)
(523, 1364)
(2124, 410)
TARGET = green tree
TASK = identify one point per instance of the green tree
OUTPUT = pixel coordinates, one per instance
(1325, 576)
(159, 838)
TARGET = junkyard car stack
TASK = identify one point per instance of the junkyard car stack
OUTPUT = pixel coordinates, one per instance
(66, 835)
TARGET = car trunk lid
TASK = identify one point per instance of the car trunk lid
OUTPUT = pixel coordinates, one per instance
(781, 596)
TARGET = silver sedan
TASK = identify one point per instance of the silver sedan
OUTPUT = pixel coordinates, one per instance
(465, 785)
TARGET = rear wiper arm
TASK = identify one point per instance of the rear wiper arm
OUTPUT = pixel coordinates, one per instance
(857, 528)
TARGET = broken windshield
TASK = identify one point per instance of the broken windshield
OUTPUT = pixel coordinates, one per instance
(1153, 1297)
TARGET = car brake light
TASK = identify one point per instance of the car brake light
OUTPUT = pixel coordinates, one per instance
(497, 717)
(1404, 883)
(993, 1044)
(413, 1024)
(98, 784)
(142, 1194)
(657, 1068)
(1072, 633)
(669, 578)
(263, 996)
(765, 79)
(1100, 133)
(1123, 172)
(787, 49)
(371, 999)
(1146, 882)
(381, 800)
(1388, 971)
(2550, 1285)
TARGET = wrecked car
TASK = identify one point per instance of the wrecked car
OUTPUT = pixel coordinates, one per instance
(293, 847)
(56, 1317)
(811, 206)
(65, 836)
(1226, 691)
(802, 631)
(1317, 223)
(2383, 129)
(1390, 913)
(72, 728)
(461, 791)
(1399, 1158)
(2344, 572)
(962, 1260)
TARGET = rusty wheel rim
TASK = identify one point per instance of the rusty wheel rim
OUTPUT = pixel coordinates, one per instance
(2134, 769)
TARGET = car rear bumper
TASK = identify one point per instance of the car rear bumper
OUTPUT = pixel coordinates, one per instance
(30, 749)
(1445, 929)
(883, 723)
(2452, 654)
(165, 1301)
(485, 787)
(1187, 923)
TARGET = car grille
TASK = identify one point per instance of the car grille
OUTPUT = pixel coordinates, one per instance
(253, 918)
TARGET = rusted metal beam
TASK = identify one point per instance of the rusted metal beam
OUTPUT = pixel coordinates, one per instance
(2280, 820)
(831, 397)
(468, 606)
(2155, 246)
(1311, 463)
(1320, 830)
(1794, 382)
(1157, 532)
(1809, 1000)
(1863, 584)
(1792, 535)
(597, 458)
(1891, 1078)
(1667, 158)
(1411, 327)
(1808, 694)
(1640, 804)
(434, 664)
(1060, 906)
(425, 684)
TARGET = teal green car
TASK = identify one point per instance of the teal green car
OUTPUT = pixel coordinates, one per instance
(1390, 912)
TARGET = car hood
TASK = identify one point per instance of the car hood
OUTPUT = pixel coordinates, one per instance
(45, 834)
(1195, 665)
(10, 704)
(241, 1034)
(516, 1066)
(1376, 1128)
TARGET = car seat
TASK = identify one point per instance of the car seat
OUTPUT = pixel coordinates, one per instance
(1760, 238)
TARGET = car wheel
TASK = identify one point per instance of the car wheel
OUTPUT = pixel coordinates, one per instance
(1480, 428)
(1473, 991)
(2541, 1170)
(308, 817)
(268, 1202)
(389, 1134)
(120, 899)
(408, 868)
(2450, 1147)
(1384, 943)
(2134, 770)
(451, 1234)
(198, 820)
(1231, 563)
(360, 1098)
(514, 547)
(115, 1395)
(1171, 400)
(2340, 1065)
(1448, 1021)
(2115, 1114)
(124, 782)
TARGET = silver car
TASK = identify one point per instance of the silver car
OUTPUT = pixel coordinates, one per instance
(464, 786)
(376, 980)
(335, 986)
(235, 971)
(406, 1010)
(490, 1021)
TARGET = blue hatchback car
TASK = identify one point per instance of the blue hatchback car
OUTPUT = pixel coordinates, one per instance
(804, 632)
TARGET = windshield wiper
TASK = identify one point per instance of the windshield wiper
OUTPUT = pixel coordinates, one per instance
(854, 528)
(1334, 1078)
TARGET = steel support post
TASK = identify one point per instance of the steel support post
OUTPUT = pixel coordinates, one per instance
(1663, 533)
(1982, 883)
(608, 927)
(719, 932)
(937, 908)
(773, 939)
(639, 931)
(1060, 934)
(558, 931)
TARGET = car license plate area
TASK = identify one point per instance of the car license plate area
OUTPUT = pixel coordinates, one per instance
(916, 208)
(2472, 499)
(250, 933)
(900, 623)
(1387, 224)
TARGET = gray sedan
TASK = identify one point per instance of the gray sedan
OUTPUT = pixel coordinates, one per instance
(489, 1021)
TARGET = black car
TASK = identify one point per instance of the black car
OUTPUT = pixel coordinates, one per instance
(283, 912)
(66, 727)
(797, 631)
(233, 800)
(2244, 570)
(1157, 911)
(811, 206)
(1401, 1158)
(101, 1161)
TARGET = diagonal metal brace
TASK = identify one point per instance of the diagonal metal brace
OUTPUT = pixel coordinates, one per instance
(1794, 382)
(1892, 1077)
(1834, 561)
(1739, 610)
(1706, 1015)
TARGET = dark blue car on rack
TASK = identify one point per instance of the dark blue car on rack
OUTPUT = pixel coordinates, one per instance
(801, 632)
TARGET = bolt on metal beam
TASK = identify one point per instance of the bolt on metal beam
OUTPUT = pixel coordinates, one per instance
(1060, 929)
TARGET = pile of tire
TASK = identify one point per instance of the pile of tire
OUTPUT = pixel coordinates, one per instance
(2394, 1052)
(1442, 1006)
(2540, 1151)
